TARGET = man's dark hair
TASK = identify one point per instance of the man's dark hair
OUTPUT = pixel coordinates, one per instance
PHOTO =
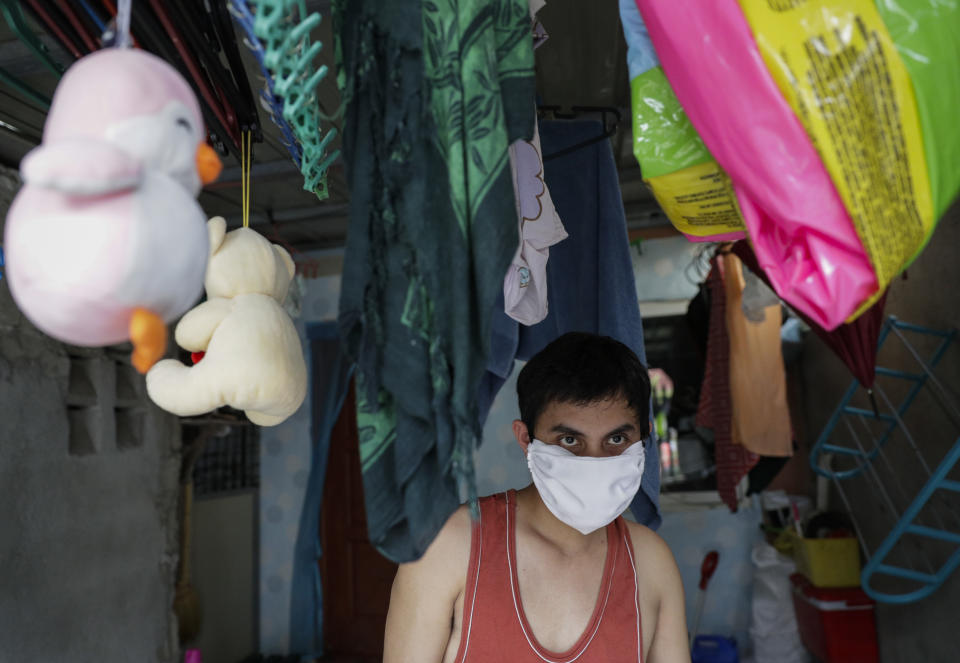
(581, 368)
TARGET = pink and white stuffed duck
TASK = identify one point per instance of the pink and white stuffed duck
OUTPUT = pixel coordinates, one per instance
(106, 242)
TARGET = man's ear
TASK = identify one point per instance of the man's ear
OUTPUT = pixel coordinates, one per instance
(522, 434)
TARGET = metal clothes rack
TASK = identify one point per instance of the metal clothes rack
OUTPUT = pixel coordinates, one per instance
(855, 443)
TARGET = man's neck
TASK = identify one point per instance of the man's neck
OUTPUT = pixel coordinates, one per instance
(535, 515)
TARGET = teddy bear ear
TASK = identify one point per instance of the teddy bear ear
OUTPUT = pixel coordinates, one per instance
(217, 229)
(287, 260)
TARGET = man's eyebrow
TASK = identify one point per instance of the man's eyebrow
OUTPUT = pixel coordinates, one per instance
(626, 428)
(566, 430)
(560, 428)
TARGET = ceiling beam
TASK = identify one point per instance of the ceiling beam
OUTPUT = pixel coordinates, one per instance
(315, 213)
(259, 171)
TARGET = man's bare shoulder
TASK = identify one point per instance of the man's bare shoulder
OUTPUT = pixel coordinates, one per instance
(453, 540)
(661, 597)
(445, 561)
(653, 557)
(647, 541)
(425, 593)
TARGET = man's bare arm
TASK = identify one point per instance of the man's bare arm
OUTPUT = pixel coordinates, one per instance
(424, 595)
(661, 581)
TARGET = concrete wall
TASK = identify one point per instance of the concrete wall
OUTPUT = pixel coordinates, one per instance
(88, 488)
(223, 534)
(925, 630)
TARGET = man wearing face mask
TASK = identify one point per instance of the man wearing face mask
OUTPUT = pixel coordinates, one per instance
(552, 572)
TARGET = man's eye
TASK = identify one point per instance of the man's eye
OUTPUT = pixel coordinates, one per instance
(568, 440)
(617, 439)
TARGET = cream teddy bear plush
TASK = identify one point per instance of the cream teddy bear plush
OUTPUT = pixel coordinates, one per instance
(252, 356)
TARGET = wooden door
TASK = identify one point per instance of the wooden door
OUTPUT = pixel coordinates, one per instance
(356, 578)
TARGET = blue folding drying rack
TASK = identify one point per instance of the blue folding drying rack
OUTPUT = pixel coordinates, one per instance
(864, 459)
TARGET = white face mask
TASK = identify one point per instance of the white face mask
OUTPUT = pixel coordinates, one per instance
(584, 492)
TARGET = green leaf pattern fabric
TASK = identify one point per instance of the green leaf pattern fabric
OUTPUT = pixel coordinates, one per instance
(435, 92)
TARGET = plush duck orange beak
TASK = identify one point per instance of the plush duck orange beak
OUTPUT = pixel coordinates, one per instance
(148, 333)
(208, 164)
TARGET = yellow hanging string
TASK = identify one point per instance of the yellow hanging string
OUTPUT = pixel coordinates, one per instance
(243, 177)
(246, 158)
(249, 171)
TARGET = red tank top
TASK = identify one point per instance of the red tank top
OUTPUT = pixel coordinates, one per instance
(495, 627)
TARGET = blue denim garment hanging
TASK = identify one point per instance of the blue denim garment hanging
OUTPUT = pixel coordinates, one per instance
(330, 372)
(589, 276)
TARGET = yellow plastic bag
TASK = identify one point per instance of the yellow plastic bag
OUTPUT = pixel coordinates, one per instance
(688, 183)
(839, 70)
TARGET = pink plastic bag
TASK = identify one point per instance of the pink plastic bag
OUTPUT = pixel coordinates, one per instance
(800, 230)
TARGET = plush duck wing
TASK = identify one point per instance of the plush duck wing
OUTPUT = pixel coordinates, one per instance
(81, 167)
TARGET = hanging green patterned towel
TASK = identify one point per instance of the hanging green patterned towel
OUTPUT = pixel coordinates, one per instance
(436, 90)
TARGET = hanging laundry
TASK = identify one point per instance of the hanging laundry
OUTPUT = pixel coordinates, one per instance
(539, 32)
(715, 408)
(764, 472)
(525, 286)
(757, 296)
(757, 374)
(330, 374)
(539, 35)
(590, 275)
(435, 94)
(855, 343)
(697, 318)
